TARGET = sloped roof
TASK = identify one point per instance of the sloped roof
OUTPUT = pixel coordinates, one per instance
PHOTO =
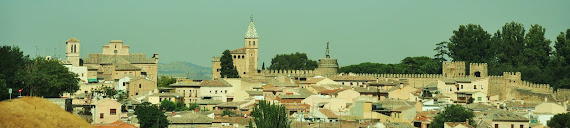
(116, 124)
(398, 125)
(133, 58)
(238, 51)
(232, 104)
(72, 39)
(255, 93)
(328, 113)
(352, 78)
(312, 81)
(502, 115)
(334, 91)
(251, 32)
(215, 83)
(126, 67)
(453, 124)
(292, 96)
(189, 117)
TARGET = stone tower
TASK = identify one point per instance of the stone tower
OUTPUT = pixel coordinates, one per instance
(510, 82)
(327, 66)
(453, 69)
(478, 69)
(251, 51)
(72, 51)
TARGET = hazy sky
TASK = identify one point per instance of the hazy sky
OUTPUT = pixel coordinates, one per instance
(195, 31)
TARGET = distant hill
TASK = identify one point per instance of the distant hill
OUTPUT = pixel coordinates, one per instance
(181, 68)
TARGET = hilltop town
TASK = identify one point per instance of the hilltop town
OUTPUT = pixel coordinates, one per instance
(116, 87)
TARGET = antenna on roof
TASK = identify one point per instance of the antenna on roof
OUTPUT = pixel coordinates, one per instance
(251, 17)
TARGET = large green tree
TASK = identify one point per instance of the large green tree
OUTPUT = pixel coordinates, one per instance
(150, 116)
(47, 78)
(227, 65)
(167, 105)
(269, 115)
(562, 46)
(537, 48)
(470, 43)
(559, 121)
(293, 61)
(13, 60)
(414, 65)
(511, 43)
(452, 113)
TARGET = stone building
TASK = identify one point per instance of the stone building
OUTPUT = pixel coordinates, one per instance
(246, 61)
(114, 63)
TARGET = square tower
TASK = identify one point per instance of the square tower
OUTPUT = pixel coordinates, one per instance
(478, 69)
(453, 69)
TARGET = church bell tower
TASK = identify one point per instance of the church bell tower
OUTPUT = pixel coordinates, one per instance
(251, 48)
(72, 51)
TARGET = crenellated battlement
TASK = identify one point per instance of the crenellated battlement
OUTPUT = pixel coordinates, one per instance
(434, 76)
(454, 63)
(288, 72)
(478, 64)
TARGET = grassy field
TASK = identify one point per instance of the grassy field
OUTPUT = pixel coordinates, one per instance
(35, 112)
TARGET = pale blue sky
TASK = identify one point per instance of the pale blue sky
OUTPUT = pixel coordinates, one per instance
(195, 31)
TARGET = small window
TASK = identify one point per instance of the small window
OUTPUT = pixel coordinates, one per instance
(115, 51)
(512, 125)
(101, 115)
(496, 125)
(474, 86)
(253, 43)
(137, 93)
(234, 56)
(113, 111)
(481, 86)
(140, 85)
(461, 86)
(479, 99)
(226, 91)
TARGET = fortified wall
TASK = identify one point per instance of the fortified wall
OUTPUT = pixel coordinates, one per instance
(509, 86)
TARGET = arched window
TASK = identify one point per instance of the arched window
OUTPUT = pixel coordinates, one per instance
(234, 56)
(242, 56)
(253, 43)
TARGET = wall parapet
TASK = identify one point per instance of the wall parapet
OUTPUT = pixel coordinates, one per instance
(432, 76)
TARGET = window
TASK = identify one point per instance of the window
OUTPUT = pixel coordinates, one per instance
(234, 56)
(101, 115)
(496, 125)
(226, 91)
(512, 125)
(123, 84)
(461, 86)
(216, 92)
(474, 86)
(479, 99)
(140, 85)
(522, 126)
(481, 86)
(113, 111)
(253, 43)
(137, 93)
(115, 51)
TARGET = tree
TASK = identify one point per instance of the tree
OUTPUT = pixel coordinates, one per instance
(227, 65)
(108, 91)
(47, 78)
(470, 43)
(420, 65)
(511, 43)
(452, 113)
(470, 100)
(411, 62)
(268, 115)
(562, 46)
(180, 106)
(263, 66)
(559, 121)
(167, 105)
(293, 61)
(165, 81)
(150, 116)
(193, 106)
(227, 112)
(13, 60)
(441, 49)
(537, 48)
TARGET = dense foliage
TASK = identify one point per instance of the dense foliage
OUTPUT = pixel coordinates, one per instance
(559, 121)
(409, 65)
(227, 65)
(165, 81)
(36, 77)
(150, 116)
(510, 49)
(268, 115)
(452, 113)
(293, 61)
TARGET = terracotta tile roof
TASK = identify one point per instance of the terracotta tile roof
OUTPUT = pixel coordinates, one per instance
(352, 78)
(319, 88)
(215, 83)
(312, 81)
(328, 113)
(132, 58)
(334, 91)
(237, 51)
(116, 124)
(72, 39)
(454, 124)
